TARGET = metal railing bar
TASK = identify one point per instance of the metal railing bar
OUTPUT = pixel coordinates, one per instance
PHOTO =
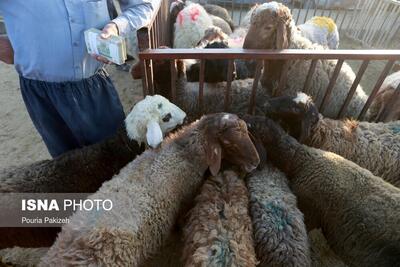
(150, 77)
(201, 84)
(372, 34)
(353, 88)
(257, 77)
(332, 82)
(288, 54)
(377, 86)
(144, 78)
(173, 80)
(308, 9)
(282, 78)
(227, 100)
(387, 23)
(309, 76)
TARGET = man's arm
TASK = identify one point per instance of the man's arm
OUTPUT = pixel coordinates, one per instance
(6, 50)
(135, 15)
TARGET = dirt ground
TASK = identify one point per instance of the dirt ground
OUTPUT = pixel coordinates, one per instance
(19, 141)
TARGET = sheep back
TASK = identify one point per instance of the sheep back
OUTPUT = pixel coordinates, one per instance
(374, 146)
(81, 170)
(321, 253)
(357, 211)
(147, 196)
(279, 230)
(218, 231)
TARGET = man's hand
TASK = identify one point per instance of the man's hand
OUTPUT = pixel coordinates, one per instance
(6, 50)
(109, 30)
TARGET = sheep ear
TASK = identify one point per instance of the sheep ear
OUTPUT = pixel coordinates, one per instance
(307, 123)
(214, 156)
(262, 152)
(281, 36)
(154, 135)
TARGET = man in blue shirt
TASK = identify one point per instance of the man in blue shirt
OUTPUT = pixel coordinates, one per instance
(70, 99)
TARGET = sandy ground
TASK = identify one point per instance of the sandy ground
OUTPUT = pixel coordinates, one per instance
(19, 141)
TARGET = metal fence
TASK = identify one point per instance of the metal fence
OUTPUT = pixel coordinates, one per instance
(390, 56)
(159, 33)
(376, 23)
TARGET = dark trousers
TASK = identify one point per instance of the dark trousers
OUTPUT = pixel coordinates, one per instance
(71, 115)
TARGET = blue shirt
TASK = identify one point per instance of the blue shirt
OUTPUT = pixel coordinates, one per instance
(48, 35)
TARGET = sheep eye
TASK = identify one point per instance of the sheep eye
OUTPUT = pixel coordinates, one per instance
(167, 117)
(159, 106)
(268, 27)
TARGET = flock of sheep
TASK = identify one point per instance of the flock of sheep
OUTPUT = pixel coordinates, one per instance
(229, 189)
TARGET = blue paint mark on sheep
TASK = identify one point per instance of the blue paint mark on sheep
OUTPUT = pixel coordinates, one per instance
(395, 129)
(280, 217)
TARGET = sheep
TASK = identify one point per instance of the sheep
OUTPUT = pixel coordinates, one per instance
(321, 253)
(243, 68)
(222, 24)
(218, 231)
(22, 257)
(387, 93)
(220, 12)
(374, 146)
(356, 210)
(190, 25)
(187, 92)
(84, 170)
(321, 30)
(272, 27)
(153, 117)
(236, 39)
(279, 230)
(149, 193)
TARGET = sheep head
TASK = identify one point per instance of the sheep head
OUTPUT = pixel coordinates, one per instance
(270, 27)
(298, 114)
(151, 118)
(227, 138)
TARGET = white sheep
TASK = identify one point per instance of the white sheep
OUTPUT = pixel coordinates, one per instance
(149, 193)
(191, 23)
(151, 118)
(272, 27)
(321, 30)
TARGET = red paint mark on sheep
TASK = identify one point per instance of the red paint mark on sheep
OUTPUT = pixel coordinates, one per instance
(194, 13)
(180, 18)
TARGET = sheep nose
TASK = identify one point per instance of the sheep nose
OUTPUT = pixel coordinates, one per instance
(250, 167)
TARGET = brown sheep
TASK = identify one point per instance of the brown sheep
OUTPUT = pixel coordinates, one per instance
(218, 231)
(357, 211)
(374, 146)
(388, 94)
